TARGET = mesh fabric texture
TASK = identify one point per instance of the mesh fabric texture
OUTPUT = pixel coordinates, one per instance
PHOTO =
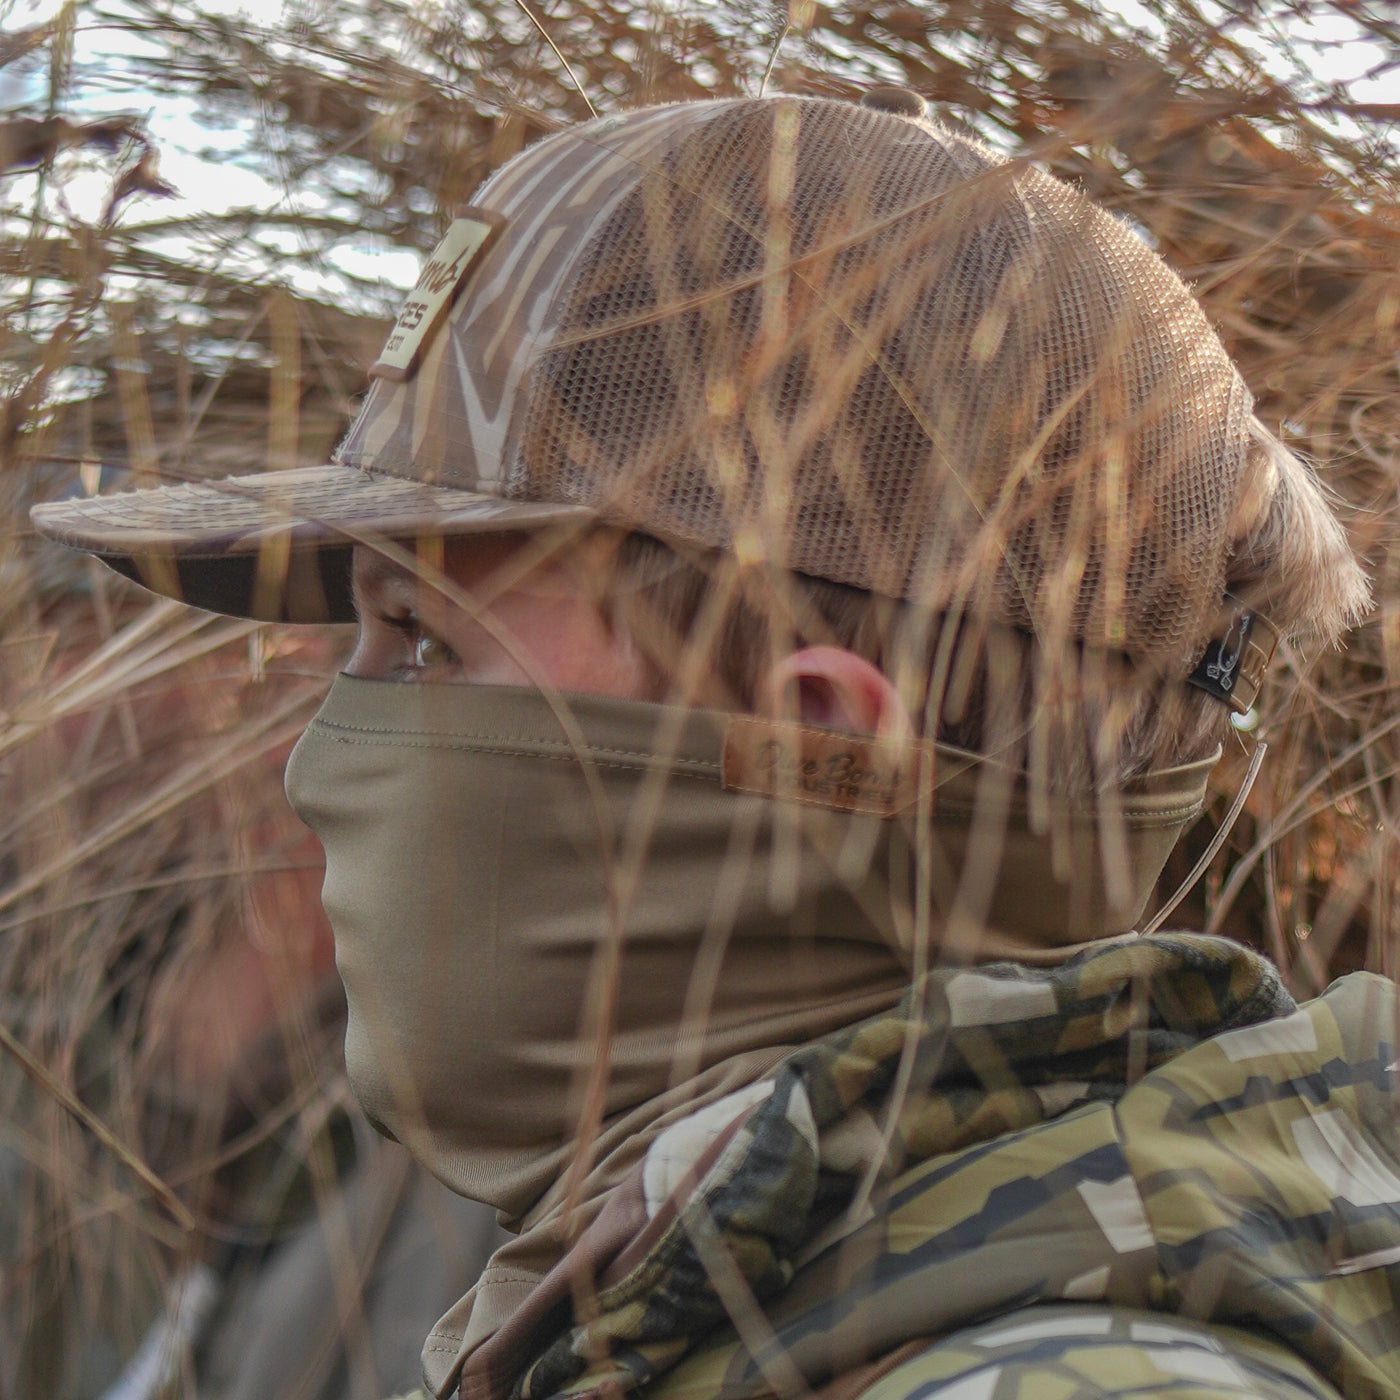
(865, 348)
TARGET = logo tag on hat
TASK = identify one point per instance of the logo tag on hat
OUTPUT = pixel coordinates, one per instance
(443, 276)
(825, 767)
(1233, 667)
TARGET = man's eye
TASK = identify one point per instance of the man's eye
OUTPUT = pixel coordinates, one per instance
(430, 652)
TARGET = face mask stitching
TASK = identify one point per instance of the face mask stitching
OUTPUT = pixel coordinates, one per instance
(514, 748)
(628, 760)
(333, 725)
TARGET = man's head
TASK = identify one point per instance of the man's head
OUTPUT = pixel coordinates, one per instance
(826, 376)
(787, 409)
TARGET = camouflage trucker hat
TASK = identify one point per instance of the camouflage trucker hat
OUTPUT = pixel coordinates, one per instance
(846, 342)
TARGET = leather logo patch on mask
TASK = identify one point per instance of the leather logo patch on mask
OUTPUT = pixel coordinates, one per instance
(824, 767)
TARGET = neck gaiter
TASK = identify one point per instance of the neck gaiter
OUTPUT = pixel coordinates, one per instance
(551, 910)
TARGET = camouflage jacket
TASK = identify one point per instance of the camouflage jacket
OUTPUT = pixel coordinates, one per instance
(998, 1189)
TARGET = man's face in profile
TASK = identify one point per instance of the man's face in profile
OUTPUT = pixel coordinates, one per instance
(513, 618)
(503, 610)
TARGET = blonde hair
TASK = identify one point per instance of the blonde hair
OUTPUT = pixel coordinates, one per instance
(1095, 718)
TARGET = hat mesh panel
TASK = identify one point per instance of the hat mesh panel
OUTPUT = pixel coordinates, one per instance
(868, 349)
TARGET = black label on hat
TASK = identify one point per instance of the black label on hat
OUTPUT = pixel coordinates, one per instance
(1233, 666)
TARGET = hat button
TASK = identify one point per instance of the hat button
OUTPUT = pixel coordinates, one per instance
(902, 101)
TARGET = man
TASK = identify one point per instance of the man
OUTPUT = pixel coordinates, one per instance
(829, 557)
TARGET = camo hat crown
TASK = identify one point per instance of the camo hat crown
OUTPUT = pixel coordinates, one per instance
(841, 341)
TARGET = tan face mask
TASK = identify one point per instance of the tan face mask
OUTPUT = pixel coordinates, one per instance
(486, 859)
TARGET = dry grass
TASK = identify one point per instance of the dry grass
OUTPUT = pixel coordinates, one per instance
(140, 745)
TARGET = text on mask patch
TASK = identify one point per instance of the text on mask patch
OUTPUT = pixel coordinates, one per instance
(824, 767)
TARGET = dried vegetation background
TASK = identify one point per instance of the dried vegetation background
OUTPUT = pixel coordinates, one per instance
(157, 902)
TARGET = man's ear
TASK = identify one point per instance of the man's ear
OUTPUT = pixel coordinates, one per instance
(836, 688)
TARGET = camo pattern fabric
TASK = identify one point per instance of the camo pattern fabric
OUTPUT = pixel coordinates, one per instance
(1249, 1187)
(1152, 1124)
(1090, 1353)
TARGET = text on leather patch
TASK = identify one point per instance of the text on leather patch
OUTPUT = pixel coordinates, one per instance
(824, 767)
(443, 276)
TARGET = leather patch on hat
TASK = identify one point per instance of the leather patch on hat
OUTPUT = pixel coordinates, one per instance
(443, 276)
(825, 767)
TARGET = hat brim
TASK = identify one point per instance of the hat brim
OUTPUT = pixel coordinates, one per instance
(276, 546)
